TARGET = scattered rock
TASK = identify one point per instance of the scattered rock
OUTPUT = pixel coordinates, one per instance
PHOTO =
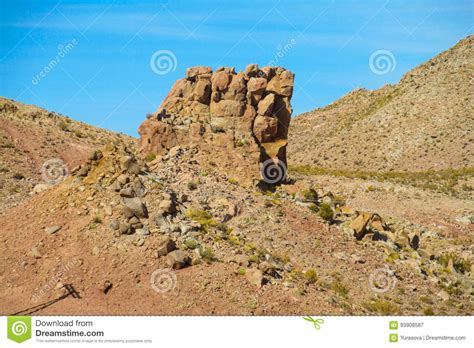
(254, 276)
(177, 259)
(166, 246)
(53, 229)
(40, 188)
(134, 207)
(106, 286)
(443, 295)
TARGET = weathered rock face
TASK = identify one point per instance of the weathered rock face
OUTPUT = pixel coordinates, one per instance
(247, 113)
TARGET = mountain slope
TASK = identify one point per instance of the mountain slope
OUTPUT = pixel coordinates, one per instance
(425, 122)
(31, 136)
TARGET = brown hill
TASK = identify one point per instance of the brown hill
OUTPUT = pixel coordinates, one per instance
(179, 233)
(425, 122)
(31, 136)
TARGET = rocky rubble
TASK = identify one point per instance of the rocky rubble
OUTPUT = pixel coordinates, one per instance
(239, 116)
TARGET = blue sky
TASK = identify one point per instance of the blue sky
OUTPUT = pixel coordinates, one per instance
(102, 72)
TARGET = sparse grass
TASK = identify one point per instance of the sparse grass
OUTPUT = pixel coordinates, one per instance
(192, 185)
(242, 271)
(310, 195)
(460, 265)
(232, 181)
(4, 169)
(207, 254)
(310, 276)
(381, 306)
(201, 216)
(63, 126)
(325, 212)
(150, 157)
(6, 144)
(373, 107)
(79, 134)
(314, 208)
(340, 289)
(97, 220)
(18, 176)
(191, 244)
(428, 311)
(222, 227)
(443, 181)
(240, 142)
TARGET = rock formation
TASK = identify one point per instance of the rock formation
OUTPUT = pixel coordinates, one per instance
(245, 113)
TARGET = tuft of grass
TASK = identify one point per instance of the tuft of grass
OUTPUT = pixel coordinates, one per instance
(340, 289)
(442, 181)
(191, 244)
(310, 195)
(79, 134)
(232, 181)
(97, 220)
(310, 276)
(242, 271)
(192, 185)
(150, 157)
(207, 254)
(63, 126)
(201, 216)
(460, 265)
(18, 176)
(382, 307)
(240, 142)
(4, 169)
(428, 311)
(325, 211)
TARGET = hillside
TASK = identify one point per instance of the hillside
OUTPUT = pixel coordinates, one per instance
(191, 230)
(31, 136)
(425, 122)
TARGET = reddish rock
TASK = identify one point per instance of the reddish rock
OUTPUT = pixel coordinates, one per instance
(228, 114)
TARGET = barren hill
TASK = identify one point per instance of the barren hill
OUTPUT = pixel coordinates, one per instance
(31, 136)
(425, 122)
(185, 228)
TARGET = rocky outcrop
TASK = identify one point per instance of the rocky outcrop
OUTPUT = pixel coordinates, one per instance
(246, 113)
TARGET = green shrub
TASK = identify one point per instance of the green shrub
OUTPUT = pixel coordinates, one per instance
(382, 307)
(310, 195)
(340, 289)
(460, 265)
(311, 276)
(192, 185)
(63, 126)
(201, 216)
(207, 254)
(191, 243)
(150, 157)
(325, 211)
